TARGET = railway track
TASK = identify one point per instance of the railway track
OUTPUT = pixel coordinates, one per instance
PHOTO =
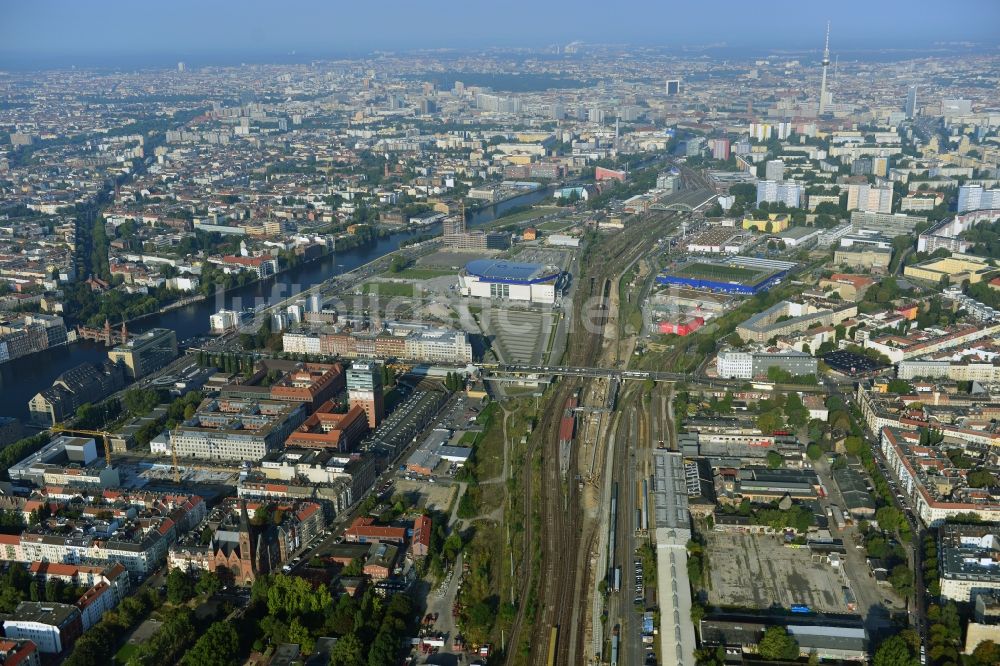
(566, 541)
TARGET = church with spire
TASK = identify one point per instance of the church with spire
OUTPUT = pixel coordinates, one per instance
(248, 539)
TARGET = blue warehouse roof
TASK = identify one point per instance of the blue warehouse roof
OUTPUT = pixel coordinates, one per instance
(498, 270)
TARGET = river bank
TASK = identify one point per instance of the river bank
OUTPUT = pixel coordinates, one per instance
(22, 378)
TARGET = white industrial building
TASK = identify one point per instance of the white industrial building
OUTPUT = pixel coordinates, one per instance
(224, 321)
(499, 279)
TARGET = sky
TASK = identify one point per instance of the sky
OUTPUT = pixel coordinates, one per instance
(60, 32)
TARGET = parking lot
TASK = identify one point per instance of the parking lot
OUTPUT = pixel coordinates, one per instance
(436, 497)
(757, 571)
(545, 255)
(445, 259)
(521, 336)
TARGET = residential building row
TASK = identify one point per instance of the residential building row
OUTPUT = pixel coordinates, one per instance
(429, 344)
(248, 539)
(134, 529)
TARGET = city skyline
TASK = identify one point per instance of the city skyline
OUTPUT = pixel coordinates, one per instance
(80, 34)
(511, 334)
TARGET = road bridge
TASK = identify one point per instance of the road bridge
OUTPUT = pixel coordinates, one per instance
(686, 202)
(544, 373)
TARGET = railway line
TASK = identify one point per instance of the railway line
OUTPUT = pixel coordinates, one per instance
(565, 536)
(563, 571)
(562, 577)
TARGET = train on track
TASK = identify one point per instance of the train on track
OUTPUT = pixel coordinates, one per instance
(553, 641)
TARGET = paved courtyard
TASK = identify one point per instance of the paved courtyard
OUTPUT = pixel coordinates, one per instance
(521, 335)
(757, 571)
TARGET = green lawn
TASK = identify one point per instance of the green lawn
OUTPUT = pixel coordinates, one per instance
(519, 217)
(126, 653)
(468, 438)
(388, 289)
(719, 272)
(553, 225)
(423, 273)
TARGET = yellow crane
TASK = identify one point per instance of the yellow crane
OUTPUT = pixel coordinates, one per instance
(104, 434)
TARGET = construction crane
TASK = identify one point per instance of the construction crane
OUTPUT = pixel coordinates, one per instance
(104, 434)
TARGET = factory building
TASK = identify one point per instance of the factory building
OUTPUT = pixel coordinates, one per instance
(499, 279)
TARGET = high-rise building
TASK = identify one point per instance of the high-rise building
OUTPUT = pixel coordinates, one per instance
(761, 131)
(364, 389)
(956, 107)
(826, 63)
(872, 198)
(910, 109)
(181, 67)
(146, 353)
(673, 87)
(773, 191)
(720, 149)
(976, 197)
(774, 170)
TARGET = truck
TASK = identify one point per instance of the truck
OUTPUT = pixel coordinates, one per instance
(849, 600)
(838, 516)
(617, 581)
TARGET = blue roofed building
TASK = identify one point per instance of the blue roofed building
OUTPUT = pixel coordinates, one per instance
(509, 280)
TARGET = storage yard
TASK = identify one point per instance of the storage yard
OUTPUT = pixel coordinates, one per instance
(758, 571)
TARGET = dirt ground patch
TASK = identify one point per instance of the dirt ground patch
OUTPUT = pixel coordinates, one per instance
(435, 496)
(757, 571)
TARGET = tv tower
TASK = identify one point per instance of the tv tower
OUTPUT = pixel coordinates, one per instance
(825, 63)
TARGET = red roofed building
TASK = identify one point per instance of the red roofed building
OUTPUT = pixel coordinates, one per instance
(313, 383)
(364, 530)
(263, 266)
(684, 326)
(910, 311)
(107, 585)
(600, 173)
(567, 426)
(421, 542)
(326, 429)
(19, 653)
(10, 548)
(851, 287)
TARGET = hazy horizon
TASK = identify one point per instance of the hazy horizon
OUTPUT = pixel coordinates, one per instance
(120, 34)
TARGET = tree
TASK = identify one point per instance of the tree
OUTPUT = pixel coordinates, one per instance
(140, 402)
(900, 386)
(814, 451)
(894, 651)
(208, 584)
(180, 587)
(774, 459)
(901, 579)
(384, 648)
(219, 646)
(347, 652)
(777, 645)
(770, 421)
(980, 478)
(795, 411)
(854, 445)
(298, 633)
(355, 568)
(987, 653)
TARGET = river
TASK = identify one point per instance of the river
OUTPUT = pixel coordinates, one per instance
(22, 378)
